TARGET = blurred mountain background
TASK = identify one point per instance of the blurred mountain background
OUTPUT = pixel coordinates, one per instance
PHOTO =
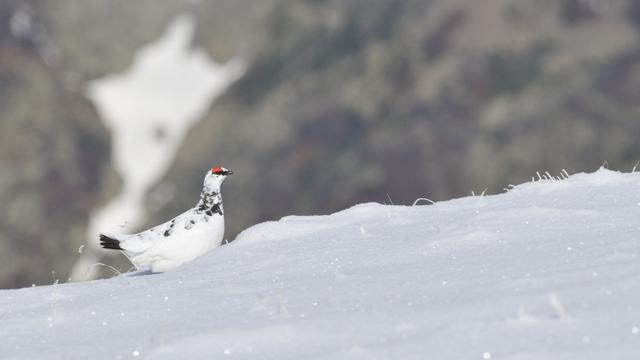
(341, 102)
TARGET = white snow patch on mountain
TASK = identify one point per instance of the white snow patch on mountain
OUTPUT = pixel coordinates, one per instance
(548, 270)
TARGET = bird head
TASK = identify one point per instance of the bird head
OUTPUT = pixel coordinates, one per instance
(214, 177)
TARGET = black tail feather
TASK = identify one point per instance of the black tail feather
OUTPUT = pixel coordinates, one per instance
(109, 243)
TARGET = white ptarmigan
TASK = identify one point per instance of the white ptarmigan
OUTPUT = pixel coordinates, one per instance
(181, 239)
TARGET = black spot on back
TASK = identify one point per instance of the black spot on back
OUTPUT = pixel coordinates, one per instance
(170, 229)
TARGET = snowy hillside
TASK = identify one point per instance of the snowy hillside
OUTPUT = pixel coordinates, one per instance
(548, 270)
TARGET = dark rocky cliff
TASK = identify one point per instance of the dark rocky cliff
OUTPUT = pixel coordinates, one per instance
(54, 155)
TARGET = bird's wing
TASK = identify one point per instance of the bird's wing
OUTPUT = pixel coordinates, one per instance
(142, 241)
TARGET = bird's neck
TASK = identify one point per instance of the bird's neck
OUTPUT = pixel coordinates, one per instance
(210, 202)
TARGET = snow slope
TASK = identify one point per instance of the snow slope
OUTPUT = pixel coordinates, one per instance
(548, 270)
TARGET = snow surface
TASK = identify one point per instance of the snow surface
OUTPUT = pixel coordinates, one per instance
(548, 270)
(149, 109)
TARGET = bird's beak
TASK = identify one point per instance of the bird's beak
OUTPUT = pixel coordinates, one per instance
(229, 173)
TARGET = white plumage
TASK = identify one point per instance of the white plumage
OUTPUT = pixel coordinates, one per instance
(181, 239)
